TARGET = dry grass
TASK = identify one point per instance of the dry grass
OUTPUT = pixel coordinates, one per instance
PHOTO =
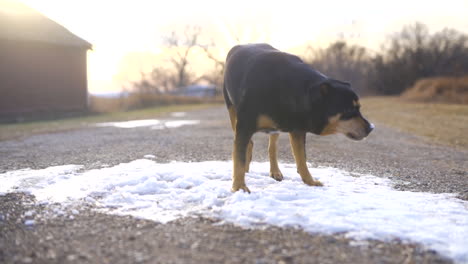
(15, 131)
(139, 101)
(440, 89)
(440, 123)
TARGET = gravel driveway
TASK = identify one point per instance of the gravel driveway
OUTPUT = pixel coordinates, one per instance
(91, 237)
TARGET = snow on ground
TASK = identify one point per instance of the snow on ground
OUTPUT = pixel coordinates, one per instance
(178, 114)
(153, 123)
(176, 123)
(362, 206)
(131, 124)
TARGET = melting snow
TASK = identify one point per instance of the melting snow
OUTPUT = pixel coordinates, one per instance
(364, 207)
(29, 222)
(179, 123)
(178, 114)
(153, 123)
(131, 124)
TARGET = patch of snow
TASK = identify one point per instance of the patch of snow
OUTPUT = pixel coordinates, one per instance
(149, 156)
(179, 123)
(178, 114)
(29, 213)
(362, 206)
(130, 124)
(153, 123)
(25, 178)
(29, 222)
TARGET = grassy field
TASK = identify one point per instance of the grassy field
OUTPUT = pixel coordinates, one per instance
(441, 123)
(15, 131)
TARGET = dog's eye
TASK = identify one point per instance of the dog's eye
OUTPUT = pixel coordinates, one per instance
(348, 114)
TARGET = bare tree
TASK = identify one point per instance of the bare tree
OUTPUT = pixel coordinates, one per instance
(157, 81)
(344, 62)
(177, 74)
(216, 76)
(240, 35)
(414, 53)
(218, 63)
(182, 45)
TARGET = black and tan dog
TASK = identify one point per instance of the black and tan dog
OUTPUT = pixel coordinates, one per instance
(269, 90)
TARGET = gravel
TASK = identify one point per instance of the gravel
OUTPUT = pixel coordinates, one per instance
(91, 237)
(32, 233)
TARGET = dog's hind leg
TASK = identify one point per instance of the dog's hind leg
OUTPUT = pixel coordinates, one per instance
(239, 157)
(233, 118)
(297, 139)
(275, 172)
(248, 156)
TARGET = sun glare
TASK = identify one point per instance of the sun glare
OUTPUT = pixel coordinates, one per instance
(117, 29)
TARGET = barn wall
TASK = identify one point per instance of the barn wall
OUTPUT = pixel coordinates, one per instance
(40, 77)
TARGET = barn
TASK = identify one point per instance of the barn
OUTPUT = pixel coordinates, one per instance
(42, 65)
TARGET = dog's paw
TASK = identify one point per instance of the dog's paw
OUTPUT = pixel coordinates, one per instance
(313, 183)
(241, 187)
(277, 175)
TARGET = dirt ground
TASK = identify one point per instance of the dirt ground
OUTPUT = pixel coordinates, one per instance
(91, 237)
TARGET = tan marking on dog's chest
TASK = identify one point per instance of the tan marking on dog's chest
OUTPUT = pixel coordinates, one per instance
(265, 122)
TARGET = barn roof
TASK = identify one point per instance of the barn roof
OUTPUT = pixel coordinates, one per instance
(20, 22)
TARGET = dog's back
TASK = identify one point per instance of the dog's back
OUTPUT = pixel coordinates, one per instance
(269, 90)
(260, 79)
(238, 62)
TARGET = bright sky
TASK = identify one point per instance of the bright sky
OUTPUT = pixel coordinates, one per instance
(127, 35)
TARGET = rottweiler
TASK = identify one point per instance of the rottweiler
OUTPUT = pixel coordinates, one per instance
(271, 91)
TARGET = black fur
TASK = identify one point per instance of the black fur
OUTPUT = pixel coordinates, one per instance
(260, 79)
(266, 89)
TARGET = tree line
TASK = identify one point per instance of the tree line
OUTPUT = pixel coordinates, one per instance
(411, 54)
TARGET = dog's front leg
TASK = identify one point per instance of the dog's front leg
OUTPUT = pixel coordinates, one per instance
(297, 139)
(275, 172)
(239, 157)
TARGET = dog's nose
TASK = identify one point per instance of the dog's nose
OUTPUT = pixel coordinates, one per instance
(370, 128)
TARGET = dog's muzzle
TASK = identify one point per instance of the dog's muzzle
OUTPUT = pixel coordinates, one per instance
(370, 127)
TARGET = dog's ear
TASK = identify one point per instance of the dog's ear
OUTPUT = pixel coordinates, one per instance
(318, 90)
(324, 88)
(314, 92)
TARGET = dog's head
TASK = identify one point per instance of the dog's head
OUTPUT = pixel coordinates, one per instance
(342, 111)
